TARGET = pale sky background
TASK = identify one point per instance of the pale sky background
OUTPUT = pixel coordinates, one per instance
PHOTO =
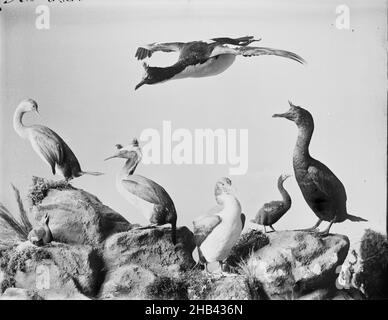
(82, 72)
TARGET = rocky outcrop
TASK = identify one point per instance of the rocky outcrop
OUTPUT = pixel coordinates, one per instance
(97, 254)
(76, 216)
(56, 269)
(295, 263)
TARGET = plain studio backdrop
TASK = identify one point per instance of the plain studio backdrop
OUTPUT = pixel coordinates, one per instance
(82, 72)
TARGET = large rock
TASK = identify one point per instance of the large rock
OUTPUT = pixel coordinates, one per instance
(56, 270)
(128, 282)
(76, 216)
(151, 249)
(295, 263)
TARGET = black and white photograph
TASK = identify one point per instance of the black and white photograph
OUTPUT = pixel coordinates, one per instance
(192, 150)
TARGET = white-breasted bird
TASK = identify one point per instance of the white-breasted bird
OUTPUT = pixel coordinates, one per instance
(144, 194)
(202, 58)
(47, 144)
(217, 232)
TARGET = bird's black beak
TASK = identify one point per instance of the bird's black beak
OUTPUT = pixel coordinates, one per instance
(140, 84)
(111, 157)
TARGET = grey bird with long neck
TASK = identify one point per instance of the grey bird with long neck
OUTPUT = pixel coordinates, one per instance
(322, 190)
(144, 194)
(271, 212)
(49, 146)
(199, 59)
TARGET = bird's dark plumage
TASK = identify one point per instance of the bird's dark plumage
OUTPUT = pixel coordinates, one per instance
(272, 211)
(203, 58)
(322, 190)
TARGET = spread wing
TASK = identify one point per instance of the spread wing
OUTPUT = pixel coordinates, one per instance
(203, 226)
(147, 190)
(242, 41)
(49, 145)
(254, 51)
(147, 50)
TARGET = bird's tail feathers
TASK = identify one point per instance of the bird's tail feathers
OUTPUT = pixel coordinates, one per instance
(92, 173)
(281, 53)
(355, 218)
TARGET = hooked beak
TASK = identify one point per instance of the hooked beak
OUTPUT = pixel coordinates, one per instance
(286, 176)
(140, 84)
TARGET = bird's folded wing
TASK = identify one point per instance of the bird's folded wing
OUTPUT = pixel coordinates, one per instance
(147, 50)
(271, 206)
(254, 51)
(50, 145)
(322, 181)
(146, 189)
(204, 226)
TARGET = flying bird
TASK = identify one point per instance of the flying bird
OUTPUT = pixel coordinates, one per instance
(144, 194)
(271, 212)
(202, 58)
(216, 232)
(322, 190)
(47, 144)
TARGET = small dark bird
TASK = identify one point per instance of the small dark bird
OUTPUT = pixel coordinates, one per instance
(41, 235)
(144, 194)
(217, 232)
(271, 212)
(202, 58)
(322, 190)
(47, 144)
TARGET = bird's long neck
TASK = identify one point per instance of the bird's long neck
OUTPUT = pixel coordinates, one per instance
(285, 195)
(18, 125)
(301, 151)
(129, 167)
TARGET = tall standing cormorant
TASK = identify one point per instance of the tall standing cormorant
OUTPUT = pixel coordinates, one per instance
(216, 232)
(322, 190)
(202, 58)
(271, 212)
(47, 144)
(144, 194)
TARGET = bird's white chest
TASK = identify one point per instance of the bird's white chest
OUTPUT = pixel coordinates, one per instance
(220, 241)
(209, 68)
(145, 207)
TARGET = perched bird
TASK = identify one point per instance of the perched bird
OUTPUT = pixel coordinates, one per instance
(202, 58)
(41, 235)
(322, 190)
(47, 144)
(271, 212)
(216, 233)
(144, 194)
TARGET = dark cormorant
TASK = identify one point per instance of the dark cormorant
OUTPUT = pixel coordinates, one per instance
(271, 212)
(322, 190)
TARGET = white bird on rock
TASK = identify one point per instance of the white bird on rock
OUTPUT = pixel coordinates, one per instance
(47, 144)
(217, 232)
(144, 194)
(202, 58)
